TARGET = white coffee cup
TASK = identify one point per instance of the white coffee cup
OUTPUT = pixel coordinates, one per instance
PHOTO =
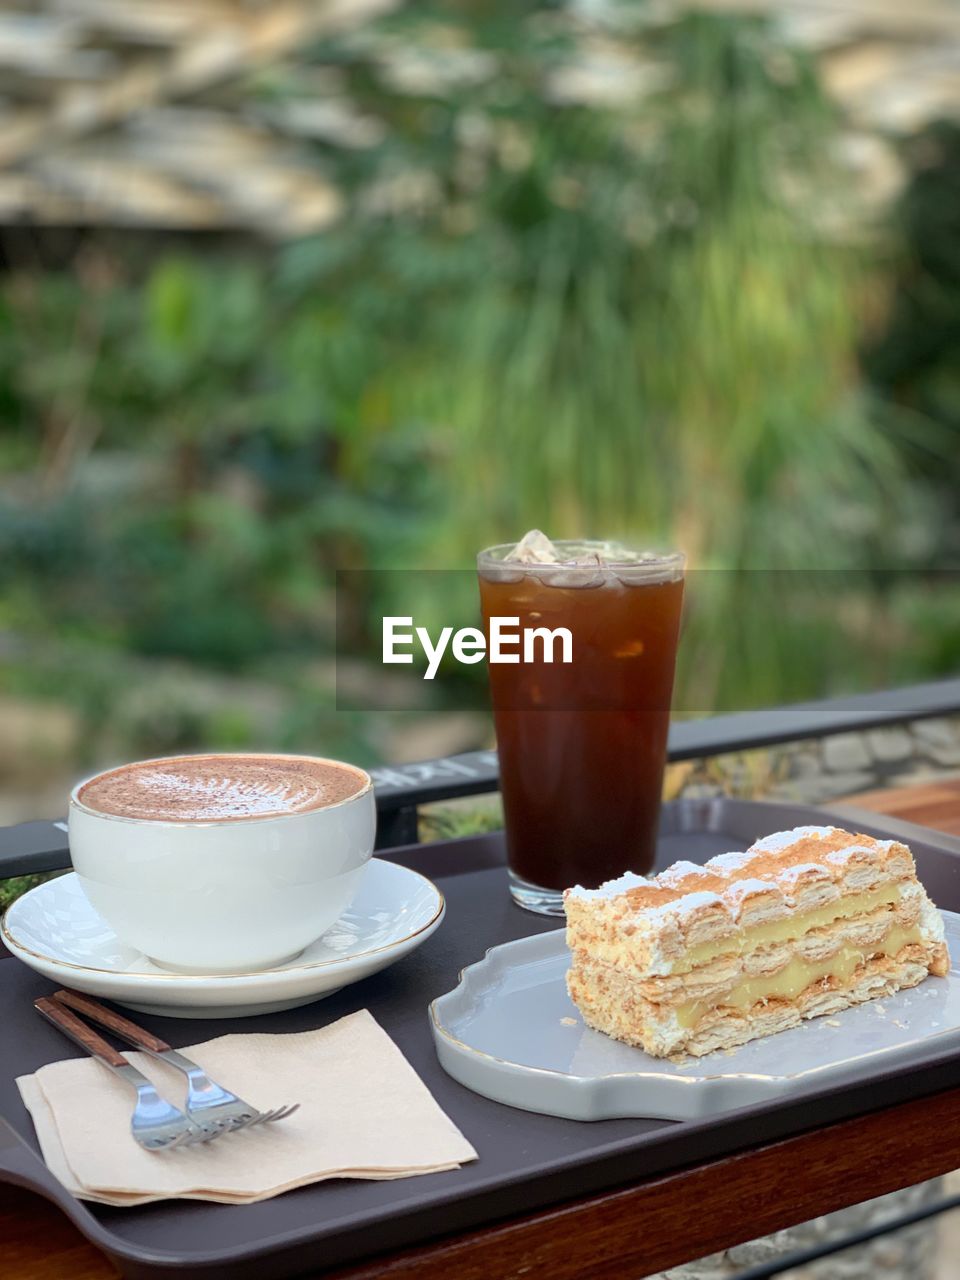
(230, 896)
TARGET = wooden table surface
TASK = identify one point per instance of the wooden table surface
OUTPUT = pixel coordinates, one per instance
(737, 1198)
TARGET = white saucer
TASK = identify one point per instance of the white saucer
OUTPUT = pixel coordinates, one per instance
(56, 931)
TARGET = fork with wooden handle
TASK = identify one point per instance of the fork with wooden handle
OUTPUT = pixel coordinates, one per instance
(208, 1104)
(155, 1124)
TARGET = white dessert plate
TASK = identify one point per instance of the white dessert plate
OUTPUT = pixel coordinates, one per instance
(54, 929)
(509, 1031)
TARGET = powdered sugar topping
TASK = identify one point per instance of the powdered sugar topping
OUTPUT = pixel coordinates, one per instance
(781, 840)
(746, 888)
(803, 869)
(725, 863)
(610, 888)
(687, 905)
(737, 876)
(841, 856)
(672, 877)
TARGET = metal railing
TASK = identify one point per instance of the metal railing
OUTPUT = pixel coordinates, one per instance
(401, 789)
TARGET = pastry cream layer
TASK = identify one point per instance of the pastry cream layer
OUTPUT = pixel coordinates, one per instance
(788, 929)
(796, 975)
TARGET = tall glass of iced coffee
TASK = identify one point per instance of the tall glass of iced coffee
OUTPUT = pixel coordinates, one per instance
(582, 743)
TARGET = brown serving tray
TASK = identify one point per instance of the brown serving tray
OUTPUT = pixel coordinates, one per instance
(526, 1161)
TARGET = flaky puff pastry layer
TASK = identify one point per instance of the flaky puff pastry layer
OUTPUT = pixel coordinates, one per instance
(665, 963)
(609, 1002)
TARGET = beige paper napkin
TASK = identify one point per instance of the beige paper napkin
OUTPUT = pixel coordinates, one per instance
(364, 1113)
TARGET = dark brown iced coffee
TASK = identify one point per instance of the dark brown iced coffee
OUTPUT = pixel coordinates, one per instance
(582, 744)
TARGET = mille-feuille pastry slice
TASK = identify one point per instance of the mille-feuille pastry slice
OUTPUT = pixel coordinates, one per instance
(805, 922)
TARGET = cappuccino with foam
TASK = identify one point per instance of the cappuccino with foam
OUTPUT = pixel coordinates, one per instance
(220, 788)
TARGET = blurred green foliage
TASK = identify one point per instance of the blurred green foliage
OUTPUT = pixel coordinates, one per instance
(17, 885)
(627, 318)
(914, 358)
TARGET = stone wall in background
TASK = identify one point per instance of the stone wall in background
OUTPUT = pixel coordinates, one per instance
(816, 772)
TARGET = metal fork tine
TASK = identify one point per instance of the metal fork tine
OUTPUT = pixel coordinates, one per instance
(280, 1113)
(237, 1126)
(253, 1121)
(266, 1117)
(202, 1136)
(183, 1139)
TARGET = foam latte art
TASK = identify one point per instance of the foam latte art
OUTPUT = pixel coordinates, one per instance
(218, 788)
(226, 797)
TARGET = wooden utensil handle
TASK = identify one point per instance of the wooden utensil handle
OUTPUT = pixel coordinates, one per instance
(113, 1021)
(78, 1031)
